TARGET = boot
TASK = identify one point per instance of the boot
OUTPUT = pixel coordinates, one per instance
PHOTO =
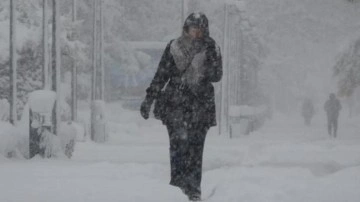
(194, 197)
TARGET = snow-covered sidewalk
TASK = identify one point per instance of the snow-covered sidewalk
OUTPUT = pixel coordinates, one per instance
(283, 162)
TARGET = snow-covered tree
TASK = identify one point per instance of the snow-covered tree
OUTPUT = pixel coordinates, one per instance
(347, 69)
(30, 50)
(25, 50)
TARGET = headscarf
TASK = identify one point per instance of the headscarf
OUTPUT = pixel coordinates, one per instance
(189, 54)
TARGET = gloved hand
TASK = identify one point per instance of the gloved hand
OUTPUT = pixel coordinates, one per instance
(145, 108)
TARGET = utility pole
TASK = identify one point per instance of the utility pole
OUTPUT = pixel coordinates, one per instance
(98, 122)
(94, 56)
(224, 114)
(101, 53)
(94, 71)
(45, 70)
(239, 60)
(74, 70)
(56, 65)
(13, 64)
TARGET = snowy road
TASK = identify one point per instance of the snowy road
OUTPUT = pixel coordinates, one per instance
(283, 162)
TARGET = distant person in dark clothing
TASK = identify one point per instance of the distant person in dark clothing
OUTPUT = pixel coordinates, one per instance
(332, 108)
(307, 111)
(188, 67)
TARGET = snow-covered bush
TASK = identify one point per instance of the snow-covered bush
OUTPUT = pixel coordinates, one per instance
(347, 69)
(67, 136)
(4, 110)
(55, 145)
(8, 139)
(79, 131)
(61, 144)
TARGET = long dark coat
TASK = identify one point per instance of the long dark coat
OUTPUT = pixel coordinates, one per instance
(191, 106)
(332, 108)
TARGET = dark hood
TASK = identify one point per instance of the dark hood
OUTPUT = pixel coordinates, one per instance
(198, 20)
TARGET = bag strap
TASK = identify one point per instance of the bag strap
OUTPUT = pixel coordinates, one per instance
(186, 52)
(163, 89)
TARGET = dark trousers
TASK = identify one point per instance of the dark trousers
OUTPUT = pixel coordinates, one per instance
(186, 153)
(332, 125)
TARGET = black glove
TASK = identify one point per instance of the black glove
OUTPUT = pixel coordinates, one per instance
(145, 108)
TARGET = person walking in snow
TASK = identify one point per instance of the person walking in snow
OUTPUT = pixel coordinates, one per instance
(187, 69)
(307, 111)
(332, 107)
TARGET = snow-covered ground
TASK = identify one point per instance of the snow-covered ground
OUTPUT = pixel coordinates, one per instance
(284, 161)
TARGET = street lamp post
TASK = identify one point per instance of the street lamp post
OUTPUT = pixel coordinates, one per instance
(45, 70)
(224, 114)
(56, 64)
(74, 70)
